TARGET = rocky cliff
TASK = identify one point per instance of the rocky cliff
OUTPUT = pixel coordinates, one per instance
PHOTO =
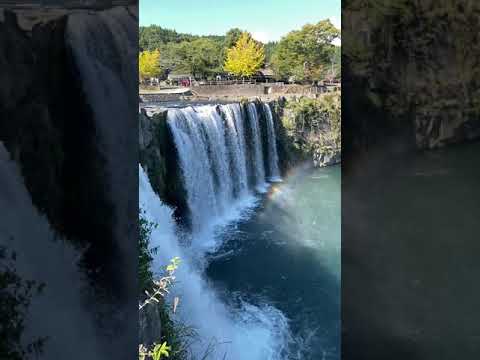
(159, 159)
(309, 130)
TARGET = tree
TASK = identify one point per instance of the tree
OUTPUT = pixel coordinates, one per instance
(200, 57)
(269, 51)
(231, 37)
(337, 62)
(203, 57)
(246, 57)
(149, 64)
(153, 37)
(306, 54)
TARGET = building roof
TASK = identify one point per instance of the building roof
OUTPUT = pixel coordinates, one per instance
(267, 72)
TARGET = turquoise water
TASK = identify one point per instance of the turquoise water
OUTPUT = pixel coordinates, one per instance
(287, 254)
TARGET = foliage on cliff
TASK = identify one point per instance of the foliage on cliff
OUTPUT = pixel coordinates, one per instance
(174, 338)
(145, 257)
(308, 54)
(246, 57)
(314, 126)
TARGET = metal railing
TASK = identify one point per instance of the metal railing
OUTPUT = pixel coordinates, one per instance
(235, 82)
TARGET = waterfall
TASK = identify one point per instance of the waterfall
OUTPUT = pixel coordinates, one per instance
(51, 260)
(214, 129)
(109, 80)
(211, 142)
(213, 160)
(272, 146)
(245, 333)
(236, 140)
(257, 148)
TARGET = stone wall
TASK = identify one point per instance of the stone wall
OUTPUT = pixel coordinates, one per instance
(251, 90)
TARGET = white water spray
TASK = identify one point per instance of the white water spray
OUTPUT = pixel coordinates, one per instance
(257, 146)
(236, 139)
(245, 333)
(214, 162)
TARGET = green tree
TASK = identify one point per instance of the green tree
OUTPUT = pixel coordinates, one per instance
(270, 48)
(200, 58)
(153, 37)
(306, 54)
(203, 57)
(246, 57)
(231, 37)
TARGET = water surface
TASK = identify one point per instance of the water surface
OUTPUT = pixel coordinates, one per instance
(287, 254)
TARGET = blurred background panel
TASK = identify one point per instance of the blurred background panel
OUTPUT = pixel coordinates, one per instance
(68, 179)
(410, 199)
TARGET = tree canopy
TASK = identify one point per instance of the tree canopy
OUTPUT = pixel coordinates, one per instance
(232, 37)
(246, 57)
(306, 54)
(149, 64)
(200, 57)
(153, 37)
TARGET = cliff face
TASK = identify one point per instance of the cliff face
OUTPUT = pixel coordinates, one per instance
(398, 59)
(309, 130)
(159, 159)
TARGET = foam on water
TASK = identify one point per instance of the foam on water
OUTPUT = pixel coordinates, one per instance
(241, 331)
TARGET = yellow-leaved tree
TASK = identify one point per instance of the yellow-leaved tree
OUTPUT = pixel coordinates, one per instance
(246, 57)
(149, 64)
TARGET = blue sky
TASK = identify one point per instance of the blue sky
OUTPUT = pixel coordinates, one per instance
(265, 19)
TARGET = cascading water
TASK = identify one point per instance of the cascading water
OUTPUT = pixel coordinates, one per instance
(191, 142)
(211, 145)
(214, 129)
(236, 142)
(214, 160)
(272, 146)
(241, 333)
(257, 148)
